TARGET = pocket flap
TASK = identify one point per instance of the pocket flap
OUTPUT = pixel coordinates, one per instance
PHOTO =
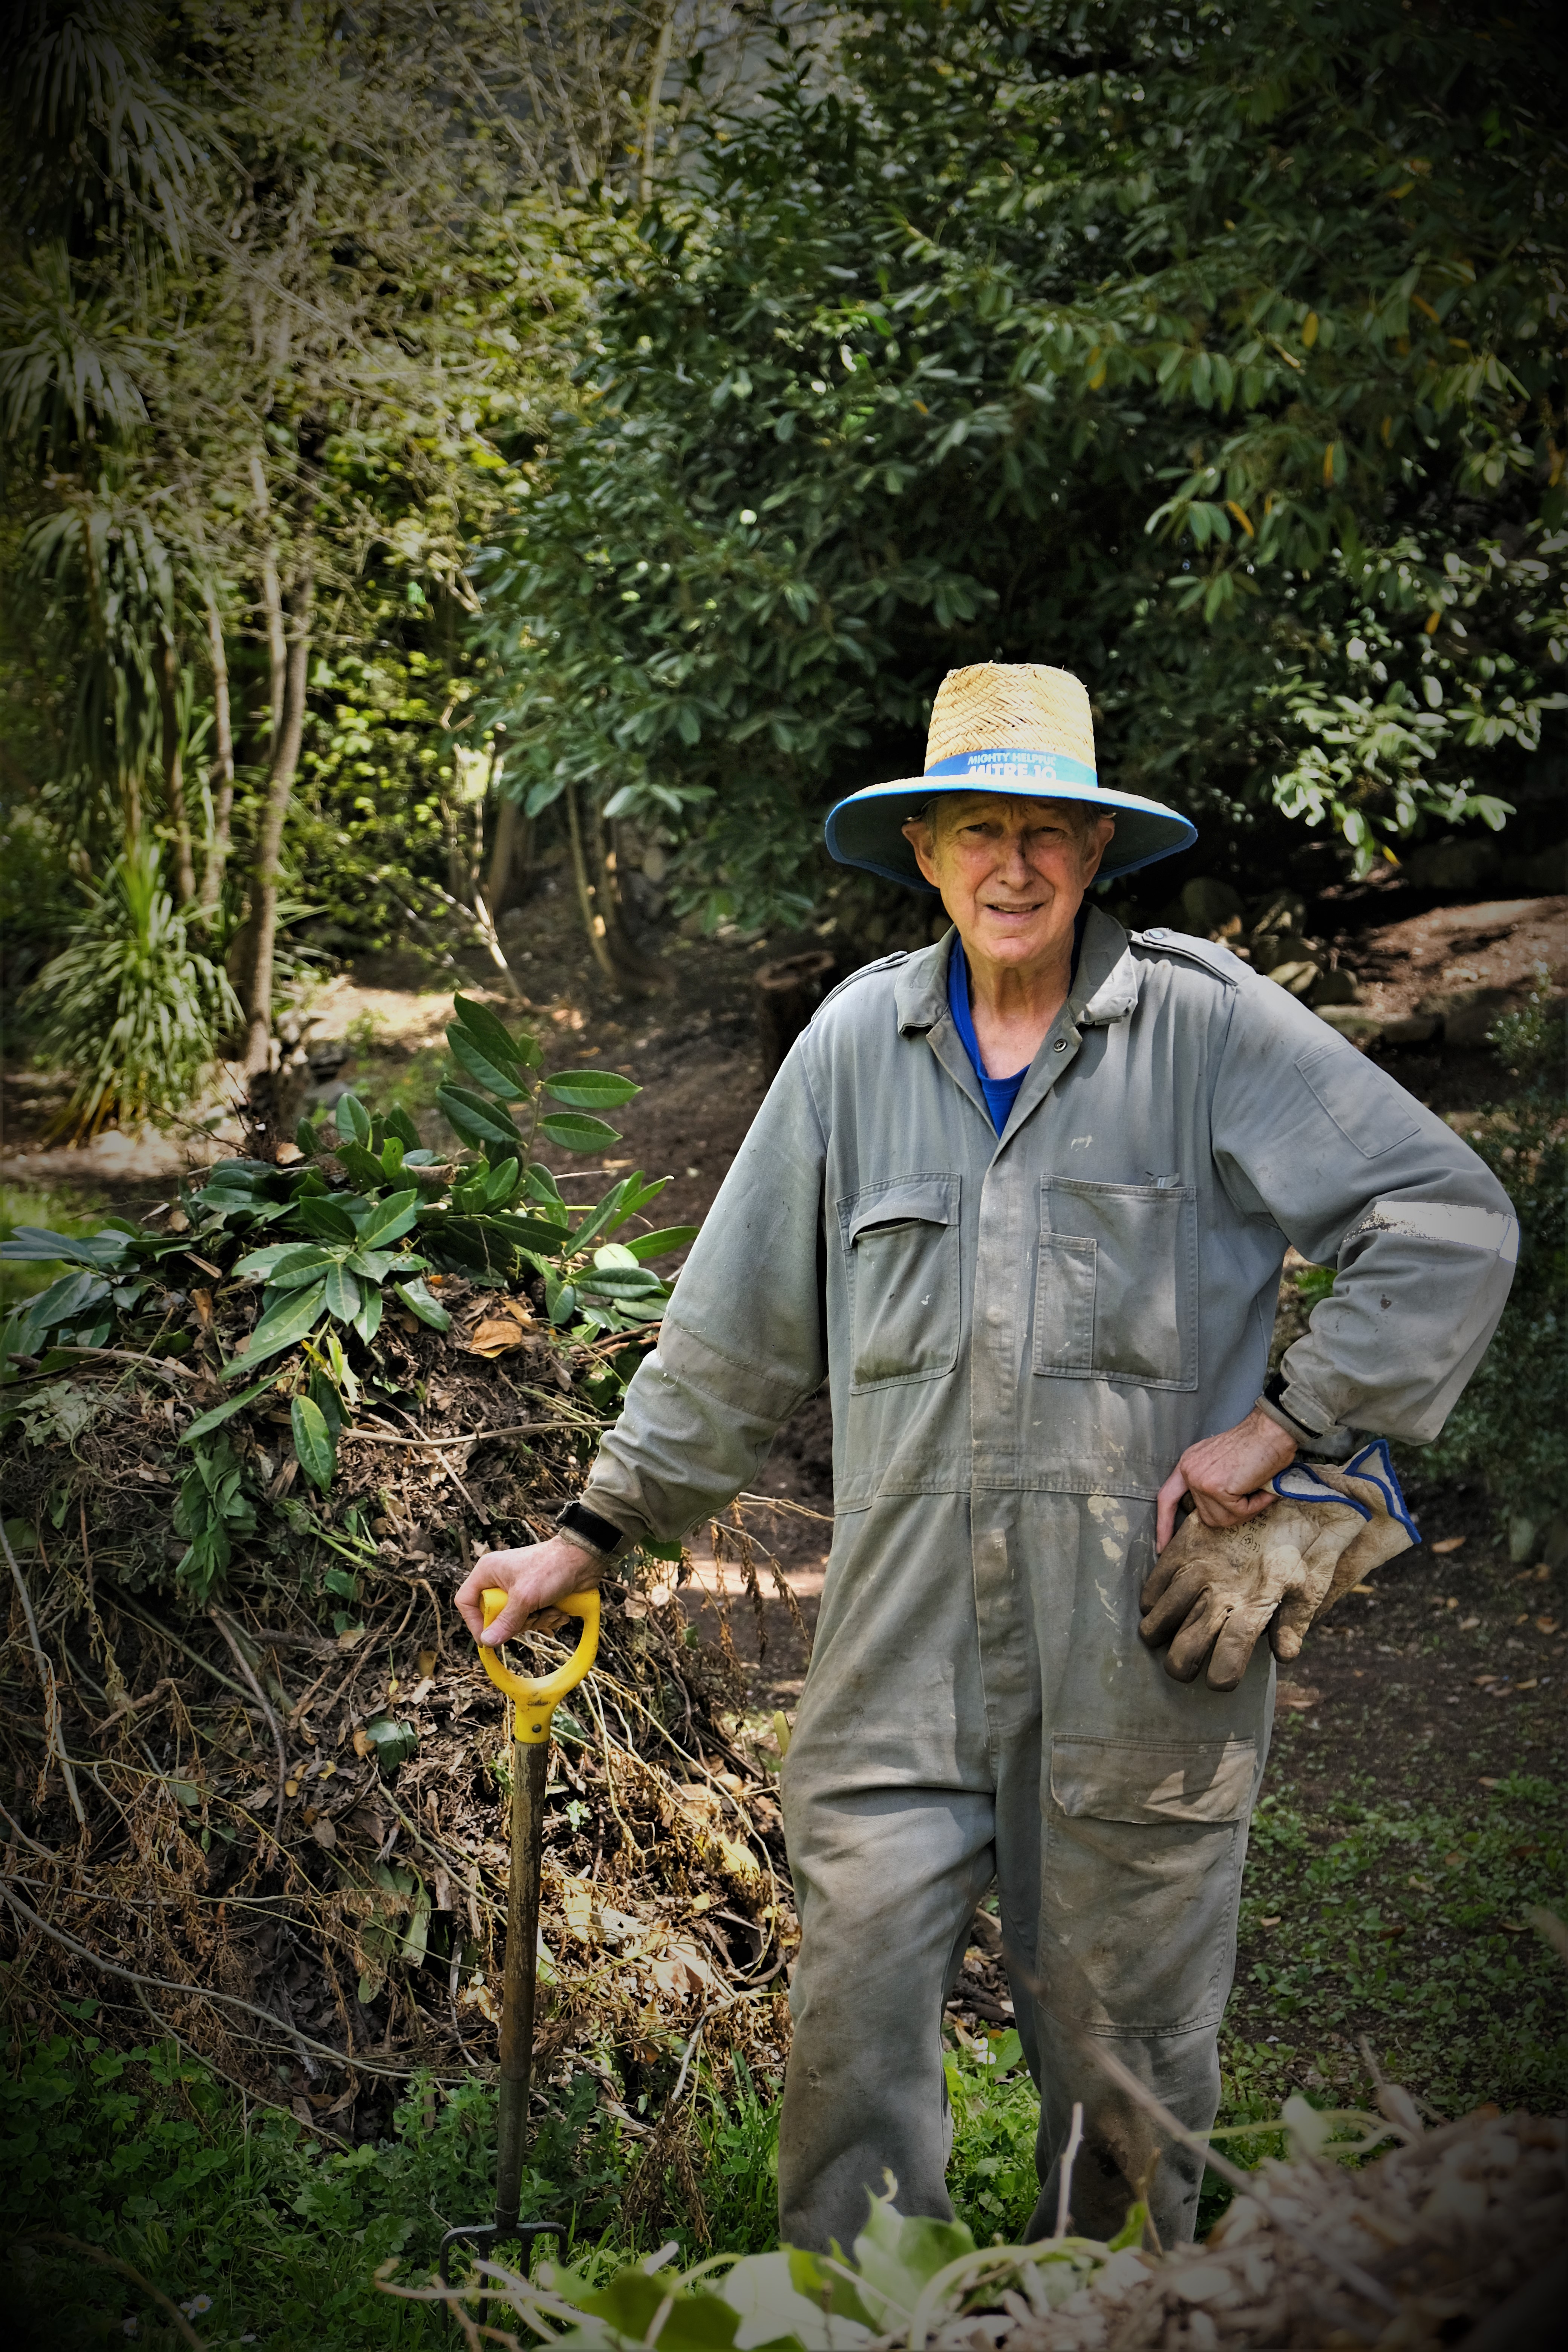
(1134, 1780)
(902, 1200)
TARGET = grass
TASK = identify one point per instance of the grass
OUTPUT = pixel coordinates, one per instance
(1395, 1919)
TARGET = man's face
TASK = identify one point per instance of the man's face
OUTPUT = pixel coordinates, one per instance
(1012, 873)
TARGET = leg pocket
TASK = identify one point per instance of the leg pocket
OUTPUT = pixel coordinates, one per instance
(1116, 1288)
(1143, 1844)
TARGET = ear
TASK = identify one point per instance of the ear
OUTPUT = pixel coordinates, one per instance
(923, 841)
(1105, 828)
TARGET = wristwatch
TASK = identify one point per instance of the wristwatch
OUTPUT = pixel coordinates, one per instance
(600, 1537)
(1329, 1445)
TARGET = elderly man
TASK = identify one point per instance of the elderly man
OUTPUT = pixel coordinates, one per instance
(1023, 1199)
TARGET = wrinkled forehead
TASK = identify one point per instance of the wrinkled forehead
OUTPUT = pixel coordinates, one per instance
(944, 811)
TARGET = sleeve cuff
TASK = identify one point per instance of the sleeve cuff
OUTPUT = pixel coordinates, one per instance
(1329, 1444)
(599, 1536)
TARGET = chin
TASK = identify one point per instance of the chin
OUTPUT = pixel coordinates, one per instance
(1009, 945)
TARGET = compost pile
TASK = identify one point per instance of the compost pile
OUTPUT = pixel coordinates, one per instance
(255, 1781)
(1416, 2249)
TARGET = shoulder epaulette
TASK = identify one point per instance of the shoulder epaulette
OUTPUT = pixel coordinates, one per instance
(1208, 952)
(883, 963)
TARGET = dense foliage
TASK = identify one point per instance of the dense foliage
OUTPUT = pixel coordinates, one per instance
(320, 1246)
(1509, 1424)
(268, 282)
(1215, 354)
(408, 410)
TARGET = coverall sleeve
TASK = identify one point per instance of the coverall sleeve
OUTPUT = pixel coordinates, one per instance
(1362, 1177)
(741, 1343)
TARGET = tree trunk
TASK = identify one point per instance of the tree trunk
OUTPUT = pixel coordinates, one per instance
(662, 48)
(624, 952)
(272, 607)
(511, 856)
(253, 982)
(222, 781)
(175, 772)
(593, 921)
(788, 993)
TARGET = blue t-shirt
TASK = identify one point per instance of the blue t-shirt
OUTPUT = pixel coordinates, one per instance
(1000, 1094)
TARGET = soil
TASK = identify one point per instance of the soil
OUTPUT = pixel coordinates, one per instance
(1454, 1665)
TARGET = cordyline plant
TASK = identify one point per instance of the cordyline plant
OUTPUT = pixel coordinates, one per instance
(366, 1211)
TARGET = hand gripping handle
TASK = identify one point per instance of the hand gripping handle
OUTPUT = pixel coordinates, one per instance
(535, 1701)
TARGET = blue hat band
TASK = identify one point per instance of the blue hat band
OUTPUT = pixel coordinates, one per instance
(1017, 767)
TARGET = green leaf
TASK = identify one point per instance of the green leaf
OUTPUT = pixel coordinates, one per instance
(364, 1165)
(353, 1119)
(505, 1181)
(487, 1032)
(543, 1189)
(392, 1157)
(221, 1412)
(1131, 2231)
(367, 1318)
(258, 1266)
(503, 1080)
(281, 1327)
(619, 1282)
(388, 1219)
(590, 1089)
(70, 1295)
(325, 1396)
(575, 1131)
(305, 1262)
(527, 1233)
(342, 1292)
(418, 1301)
(610, 1213)
(328, 1217)
(668, 1237)
(639, 1195)
(393, 1743)
(31, 1245)
(313, 1442)
(399, 1124)
(476, 1120)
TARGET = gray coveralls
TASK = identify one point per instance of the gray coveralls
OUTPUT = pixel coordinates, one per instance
(1022, 1335)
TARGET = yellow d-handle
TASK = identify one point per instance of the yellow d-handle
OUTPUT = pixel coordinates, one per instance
(535, 1701)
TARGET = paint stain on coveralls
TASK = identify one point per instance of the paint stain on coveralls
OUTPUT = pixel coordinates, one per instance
(1108, 1514)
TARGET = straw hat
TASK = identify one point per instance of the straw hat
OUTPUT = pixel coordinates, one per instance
(1015, 727)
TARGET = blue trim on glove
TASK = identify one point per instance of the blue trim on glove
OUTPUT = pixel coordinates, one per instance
(1375, 1462)
(1301, 1484)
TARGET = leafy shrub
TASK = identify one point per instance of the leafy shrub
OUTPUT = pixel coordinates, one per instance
(132, 1009)
(1508, 1424)
(366, 1214)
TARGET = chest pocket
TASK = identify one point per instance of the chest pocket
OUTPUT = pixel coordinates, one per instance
(1116, 1294)
(902, 1241)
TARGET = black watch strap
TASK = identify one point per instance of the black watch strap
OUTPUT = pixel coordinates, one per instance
(1328, 1444)
(586, 1527)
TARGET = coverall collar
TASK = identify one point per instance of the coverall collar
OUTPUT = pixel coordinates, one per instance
(1105, 989)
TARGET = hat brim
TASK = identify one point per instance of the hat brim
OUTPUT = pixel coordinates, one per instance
(867, 828)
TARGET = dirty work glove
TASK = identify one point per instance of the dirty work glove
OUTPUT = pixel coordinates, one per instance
(1214, 1590)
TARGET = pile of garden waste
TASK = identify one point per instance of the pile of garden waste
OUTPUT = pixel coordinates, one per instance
(254, 1783)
